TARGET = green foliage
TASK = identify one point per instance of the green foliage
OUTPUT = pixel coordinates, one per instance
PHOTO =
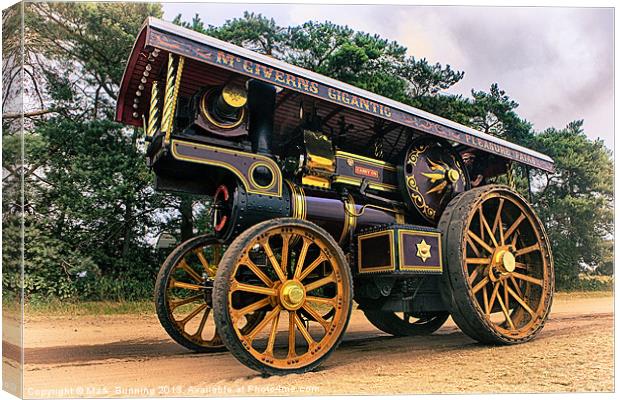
(576, 202)
(88, 195)
(425, 79)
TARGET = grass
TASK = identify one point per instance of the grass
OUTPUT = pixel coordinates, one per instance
(61, 308)
(584, 294)
(146, 307)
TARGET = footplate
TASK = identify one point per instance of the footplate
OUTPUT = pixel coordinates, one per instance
(399, 250)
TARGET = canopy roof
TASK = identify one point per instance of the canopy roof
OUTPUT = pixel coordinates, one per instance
(211, 61)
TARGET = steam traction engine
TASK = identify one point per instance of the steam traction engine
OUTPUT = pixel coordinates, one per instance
(324, 194)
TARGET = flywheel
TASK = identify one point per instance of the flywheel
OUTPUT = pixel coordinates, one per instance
(431, 174)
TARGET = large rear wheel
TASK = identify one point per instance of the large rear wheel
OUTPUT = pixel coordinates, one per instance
(296, 274)
(498, 270)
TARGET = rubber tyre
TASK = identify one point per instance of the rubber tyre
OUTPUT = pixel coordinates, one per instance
(455, 289)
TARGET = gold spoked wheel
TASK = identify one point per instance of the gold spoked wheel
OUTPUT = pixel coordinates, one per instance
(183, 294)
(296, 274)
(499, 278)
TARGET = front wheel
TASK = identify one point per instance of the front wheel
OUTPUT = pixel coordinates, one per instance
(294, 272)
(498, 277)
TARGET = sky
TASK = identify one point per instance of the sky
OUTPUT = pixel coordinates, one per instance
(557, 63)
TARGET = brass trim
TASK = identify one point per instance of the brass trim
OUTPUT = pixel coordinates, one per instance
(257, 164)
(416, 196)
(234, 95)
(153, 110)
(168, 93)
(205, 113)
(421, 268)
(317, 181)
(299, 201)
(372, 185)
(175, 94)
(383, 268)
(350, 218)
(230, 167)
(385, 165)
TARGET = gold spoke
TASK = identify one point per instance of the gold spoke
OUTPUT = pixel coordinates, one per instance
(516, 285)
(312, 267)
(205, 263)
(304, 331)
(291, 334)
(520, 265)
(502, 239)
(183, 265)
(474, 274)
(184, 285)
(485, 297)
(257, 271)
(520, 301)
(487, 227)
(505, 311)
(244, 287)
(323, 300)
(473, 246)
(320, 282)
(480, 285)
(272, 259)
(272, 335)
(191, 315)
(514, 226)
(493, 297)
(527, 249)
(252, 307)
(316, 316)
(177, 303)
(261, 325)
(284, 259)
(514, 240)
(480, 242)
(498, 218)
(526, 278)
(485, 261)
(302, 257)
(506, 302)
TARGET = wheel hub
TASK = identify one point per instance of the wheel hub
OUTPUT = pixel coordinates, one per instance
(504, 260)
(292, 295)
(453, 175)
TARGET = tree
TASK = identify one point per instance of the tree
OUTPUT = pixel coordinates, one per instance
(424, 79)
(88, 193)
(576, 201)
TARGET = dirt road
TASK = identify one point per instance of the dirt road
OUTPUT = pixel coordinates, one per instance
(125, 355)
